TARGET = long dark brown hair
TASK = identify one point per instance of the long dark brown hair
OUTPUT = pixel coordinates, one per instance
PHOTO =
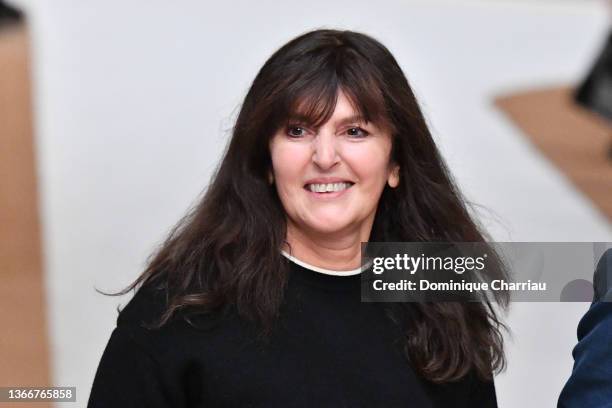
(226, 251)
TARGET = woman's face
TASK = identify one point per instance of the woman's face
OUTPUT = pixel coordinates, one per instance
(330, 179)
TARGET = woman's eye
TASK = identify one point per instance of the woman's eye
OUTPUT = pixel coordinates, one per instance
(296, 131)
(357, 132)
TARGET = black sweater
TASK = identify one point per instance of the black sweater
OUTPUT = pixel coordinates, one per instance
(328, 350)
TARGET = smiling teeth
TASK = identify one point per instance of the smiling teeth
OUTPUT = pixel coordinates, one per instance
(327, 188)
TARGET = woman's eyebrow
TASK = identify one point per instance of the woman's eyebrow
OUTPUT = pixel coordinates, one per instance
(351, 119)
(298, 118)
(303, 119)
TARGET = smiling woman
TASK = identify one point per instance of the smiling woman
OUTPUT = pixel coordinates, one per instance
(329, 180)
(254, 298)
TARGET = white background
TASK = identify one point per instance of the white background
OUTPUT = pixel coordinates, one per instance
(134, 101)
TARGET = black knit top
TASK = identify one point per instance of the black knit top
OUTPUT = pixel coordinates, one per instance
(328, 349)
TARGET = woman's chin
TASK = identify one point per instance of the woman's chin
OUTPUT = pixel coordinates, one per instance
(328, 226)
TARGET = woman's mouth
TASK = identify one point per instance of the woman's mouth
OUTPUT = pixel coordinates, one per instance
(329, 190)
(328, 187)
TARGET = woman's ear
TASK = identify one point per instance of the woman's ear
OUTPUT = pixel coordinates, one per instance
(270, 177)
(394, 177)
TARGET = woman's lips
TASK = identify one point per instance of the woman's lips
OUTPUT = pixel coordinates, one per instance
(327, 194)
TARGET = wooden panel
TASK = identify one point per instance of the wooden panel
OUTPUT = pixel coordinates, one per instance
(575, 140)
(23, 342)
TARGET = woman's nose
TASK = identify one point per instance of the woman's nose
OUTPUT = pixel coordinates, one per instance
(325, 153)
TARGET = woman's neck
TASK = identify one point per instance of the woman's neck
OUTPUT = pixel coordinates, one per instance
(336, 253)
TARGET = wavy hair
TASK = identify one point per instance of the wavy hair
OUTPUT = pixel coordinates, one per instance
(225, 253)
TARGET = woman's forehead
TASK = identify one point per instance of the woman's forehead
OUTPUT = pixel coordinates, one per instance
(339, 110)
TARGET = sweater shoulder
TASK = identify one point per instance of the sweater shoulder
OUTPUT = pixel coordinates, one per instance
(144, 312)
(146, 307)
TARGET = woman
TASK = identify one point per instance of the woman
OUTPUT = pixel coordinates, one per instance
(254, 298)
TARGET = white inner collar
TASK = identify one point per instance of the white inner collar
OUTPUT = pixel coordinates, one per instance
(322, 270)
